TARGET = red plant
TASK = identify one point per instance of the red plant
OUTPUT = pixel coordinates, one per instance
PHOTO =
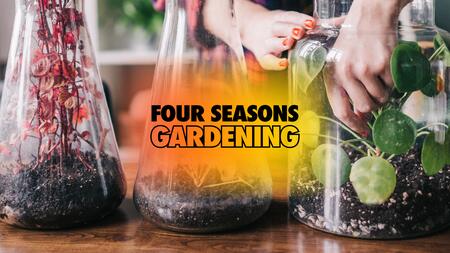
(59, 83)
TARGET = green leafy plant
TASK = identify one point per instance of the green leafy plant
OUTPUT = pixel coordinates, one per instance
(374, 179)
(393, 133)
(410, 69)
(132, 13)
(331, 165)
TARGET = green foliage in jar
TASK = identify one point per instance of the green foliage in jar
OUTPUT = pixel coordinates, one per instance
(374, 180)
(435, 153)
(393, 132)
(410, 69)
(331, 165)
(442, 46)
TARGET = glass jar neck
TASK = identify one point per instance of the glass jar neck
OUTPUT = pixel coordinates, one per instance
(325, 10)
(420, 13)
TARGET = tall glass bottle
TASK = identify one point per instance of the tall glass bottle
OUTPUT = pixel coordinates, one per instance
(59, 162)
(394, 182)
(199, 188)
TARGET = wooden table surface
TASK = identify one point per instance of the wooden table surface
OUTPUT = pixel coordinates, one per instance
(126, 231)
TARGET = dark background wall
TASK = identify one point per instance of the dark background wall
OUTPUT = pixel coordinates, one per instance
(443, 14)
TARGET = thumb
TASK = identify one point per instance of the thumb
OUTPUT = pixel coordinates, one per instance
(271, 62)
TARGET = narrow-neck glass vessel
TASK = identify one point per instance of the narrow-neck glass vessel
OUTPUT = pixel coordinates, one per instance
(392, 183)
(197, 187)
(59, 161)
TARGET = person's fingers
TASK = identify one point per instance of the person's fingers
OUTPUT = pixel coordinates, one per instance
(386, 77)
(363, 116)
(271, 62)
(342, 109)
(359, 96)
(277, 46)
(280, 29)
(376, 88)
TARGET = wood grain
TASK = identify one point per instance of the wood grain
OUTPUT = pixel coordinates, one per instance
(125, 231)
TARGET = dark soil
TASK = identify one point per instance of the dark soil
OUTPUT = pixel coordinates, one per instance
(51, 196)
(186, 208)
(419, 205)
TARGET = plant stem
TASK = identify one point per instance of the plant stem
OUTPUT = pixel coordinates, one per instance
(437, 52)
(404, 99)
(422, 134)
(346, 142)
(431, 125)
(390, 157)
(364, 141)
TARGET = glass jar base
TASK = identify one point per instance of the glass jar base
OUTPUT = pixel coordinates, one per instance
(200, 231)
(419, 205)
(370, 224)
(189, 213)
(360, 235)
(41, 226)
(61, 194)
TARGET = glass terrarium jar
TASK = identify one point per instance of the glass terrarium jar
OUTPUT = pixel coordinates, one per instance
(198, 187)
(393, 182)
(59, 161)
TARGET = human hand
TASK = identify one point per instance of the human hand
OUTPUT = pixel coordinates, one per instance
(267, 34)
(359, 79)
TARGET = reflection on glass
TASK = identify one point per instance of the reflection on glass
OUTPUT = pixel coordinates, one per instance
(392, 183)
(59, 161)
(198, 189)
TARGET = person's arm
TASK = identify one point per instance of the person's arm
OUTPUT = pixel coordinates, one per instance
(265, 33)
(361, 81)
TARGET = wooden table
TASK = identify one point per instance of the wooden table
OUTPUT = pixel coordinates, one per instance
(126, 231)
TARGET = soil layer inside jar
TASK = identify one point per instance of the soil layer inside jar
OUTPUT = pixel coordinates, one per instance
(186, 209)
(60, 194)
(419, 205)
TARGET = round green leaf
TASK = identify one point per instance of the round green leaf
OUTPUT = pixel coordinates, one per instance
(430, 89)
(394, 132)
(374, 180)
(411, 70)
(331, 165)
(434, 154)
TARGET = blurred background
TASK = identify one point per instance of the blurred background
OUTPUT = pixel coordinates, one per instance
(126, 34)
